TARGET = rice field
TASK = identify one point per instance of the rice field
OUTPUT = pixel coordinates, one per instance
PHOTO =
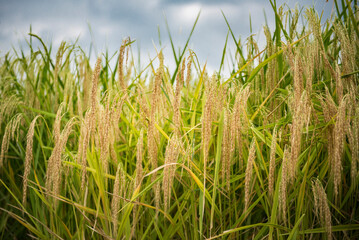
(89, 151)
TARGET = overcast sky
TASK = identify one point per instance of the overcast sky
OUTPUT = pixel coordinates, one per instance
(111, 21)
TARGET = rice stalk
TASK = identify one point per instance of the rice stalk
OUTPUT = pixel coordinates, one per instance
(54, 169)
(9, 134)
(83, 146)
(59, 55)
(272, 162)
(321, 207)
(248, 176)
(171, 156)
(226, 152)
(115, 203)
(339, 140)
(189, 70)
(177, 100)
(93, 96)
(138, 177)
(151, 133)
(284, 184)
(121, 78)
(28, 158)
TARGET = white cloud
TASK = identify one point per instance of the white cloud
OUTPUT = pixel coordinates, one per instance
(184, 14)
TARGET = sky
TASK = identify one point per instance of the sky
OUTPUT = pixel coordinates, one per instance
(105, 23)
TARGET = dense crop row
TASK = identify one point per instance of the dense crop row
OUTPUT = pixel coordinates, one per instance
(269, 152)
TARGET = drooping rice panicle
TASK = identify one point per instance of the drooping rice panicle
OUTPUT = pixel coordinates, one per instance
(28, 158)
(249, 171)
(272, 162)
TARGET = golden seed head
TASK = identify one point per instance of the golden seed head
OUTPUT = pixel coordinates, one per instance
(121, 78)
(248, 177)
(5, 145)
(272, 162)
(57, 124)
(139, 159)
(8, 105)
(54, 166)
(298, 80)
(58, 63)
(301, 115)
(151, 132)
(83, 145)
(105, 127)
(353, 136)
(189, 67)
(321, 207)
(95, 78)
(283, 184)
(57, 158)
(28, 158)
(115, 203)
(139, 175)
(171, 155)
(339, 84)
(10, 130)
(177, 100)
(226, 150)
(79, 104)
(339, 139)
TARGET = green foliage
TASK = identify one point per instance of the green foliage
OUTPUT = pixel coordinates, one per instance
(304, 84)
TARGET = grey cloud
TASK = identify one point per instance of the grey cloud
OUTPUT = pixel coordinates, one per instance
(111, 21)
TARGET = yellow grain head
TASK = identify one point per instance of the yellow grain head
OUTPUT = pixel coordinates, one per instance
(28, 158)
(248, 177)
(121, 79)
(93, 96)
(57, 158)
(115, 203)
(139, 159)
(226, 151)
(189, 67)
(272, 162)
(58, 63)
(339, 139)
(9, 133)
(83, 145)
(171, 155)
(283, 185)
(321, 207)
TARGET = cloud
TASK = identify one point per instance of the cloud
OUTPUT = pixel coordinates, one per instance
(112, 20)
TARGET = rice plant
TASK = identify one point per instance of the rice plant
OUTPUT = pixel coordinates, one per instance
(94, 152)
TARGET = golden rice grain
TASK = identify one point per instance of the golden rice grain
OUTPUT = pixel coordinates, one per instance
(115, 203)
(321, 207)
(225, 151)
(283, 185)
(171, 156)
(28, 158)
(272, 162)
(339, 138)
(10, 130)
(248, 177)
(121, 78)
(189, 67)
(93, 97)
